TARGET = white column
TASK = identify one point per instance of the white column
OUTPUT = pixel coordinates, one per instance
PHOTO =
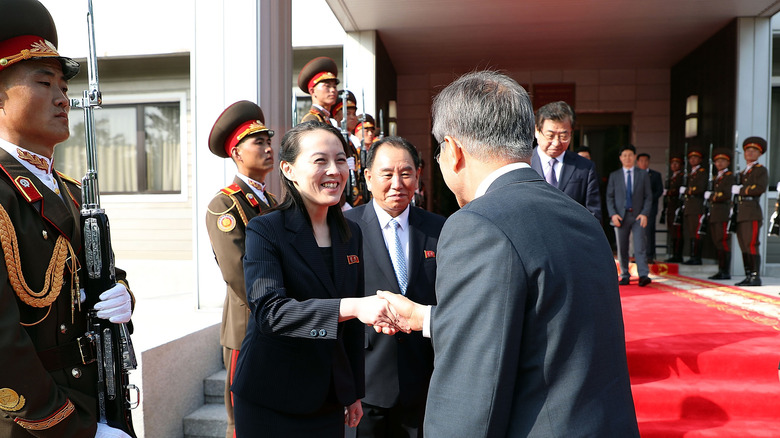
(242, 51)
(754, 90)
(360, 56)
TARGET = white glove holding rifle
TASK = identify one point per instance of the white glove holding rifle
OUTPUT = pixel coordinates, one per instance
(115, 304)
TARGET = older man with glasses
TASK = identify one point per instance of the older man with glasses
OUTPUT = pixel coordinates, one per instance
(569, 172)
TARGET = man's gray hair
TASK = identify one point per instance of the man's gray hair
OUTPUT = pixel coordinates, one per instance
(489, 112)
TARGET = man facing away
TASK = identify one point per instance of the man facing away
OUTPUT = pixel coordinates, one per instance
(528, 332)
(399, 258)
(569, 172)
(241, 135)
(628, 202)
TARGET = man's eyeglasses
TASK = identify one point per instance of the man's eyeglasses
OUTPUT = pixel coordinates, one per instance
(438, 152)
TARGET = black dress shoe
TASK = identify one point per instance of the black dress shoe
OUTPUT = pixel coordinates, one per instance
(692, 262)
(623, 282)
(720, 276)
(644, 281)
(674, 260)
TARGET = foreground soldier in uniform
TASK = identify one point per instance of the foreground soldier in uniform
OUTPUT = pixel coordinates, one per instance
(720, 197)
(240, 134)
(749, 216)
(48, 375)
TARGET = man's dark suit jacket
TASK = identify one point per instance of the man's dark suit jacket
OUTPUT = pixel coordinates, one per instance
(295, 346)
(641, 198)
(578, 179)
(657, 186)
(528, 331)
(398, 368)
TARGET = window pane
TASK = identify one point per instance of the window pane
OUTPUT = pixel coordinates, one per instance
(163, 153)
(116, 140)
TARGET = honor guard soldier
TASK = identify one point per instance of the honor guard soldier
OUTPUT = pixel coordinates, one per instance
(672, 204)
(365, 130)
(241, 135)
(753, 183)
(318, 78)
(694, 204)
(720, 201)
(48, 372)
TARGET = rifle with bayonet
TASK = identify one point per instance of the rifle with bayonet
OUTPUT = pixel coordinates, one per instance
(732, 227)
(115, 356)
(705, 218)
(680, 213)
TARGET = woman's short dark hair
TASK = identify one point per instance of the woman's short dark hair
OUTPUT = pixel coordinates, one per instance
(289, 151)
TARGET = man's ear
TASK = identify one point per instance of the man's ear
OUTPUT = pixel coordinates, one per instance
(367, 174)
(456, 152)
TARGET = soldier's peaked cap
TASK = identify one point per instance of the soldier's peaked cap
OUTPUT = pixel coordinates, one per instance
(238, 121)
(721, 153)
(316, 71)
(754, 142)
(28, 32)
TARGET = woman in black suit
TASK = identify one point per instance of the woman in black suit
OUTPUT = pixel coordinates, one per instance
(300, 372)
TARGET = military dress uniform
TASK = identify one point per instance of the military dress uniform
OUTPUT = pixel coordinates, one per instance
(48, 373)
(48, 377)
(720, 211)
(226, 218)
(672, 204)
(694, 209)
(754, 180)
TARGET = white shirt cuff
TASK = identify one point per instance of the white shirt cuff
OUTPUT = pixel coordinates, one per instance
(426, 331)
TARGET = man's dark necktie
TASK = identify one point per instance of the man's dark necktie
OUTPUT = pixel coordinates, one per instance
(629, 189)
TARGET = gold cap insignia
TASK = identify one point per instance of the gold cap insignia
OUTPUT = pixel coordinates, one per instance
(10, 401)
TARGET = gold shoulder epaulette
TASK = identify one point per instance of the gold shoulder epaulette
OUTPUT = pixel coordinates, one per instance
(69, 179)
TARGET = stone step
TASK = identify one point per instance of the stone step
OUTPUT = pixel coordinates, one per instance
(214, 388)
(209, 421)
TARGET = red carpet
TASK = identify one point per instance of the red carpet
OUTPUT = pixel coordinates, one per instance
(703, 358)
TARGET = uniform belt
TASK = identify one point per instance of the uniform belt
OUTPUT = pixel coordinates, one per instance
(79, 352)
(750, 198)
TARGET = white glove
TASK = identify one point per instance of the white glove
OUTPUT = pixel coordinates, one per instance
(115, 304)
(106, 431)
(664, 193)
(778, 187)
(683, 189)
(735, 189)
(707, 194)
(83, 296)
(351, 163)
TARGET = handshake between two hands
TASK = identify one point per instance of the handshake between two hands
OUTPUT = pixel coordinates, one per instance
(391, 313)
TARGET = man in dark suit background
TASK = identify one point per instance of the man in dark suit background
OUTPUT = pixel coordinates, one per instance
(657, 187)
(571, 173)
(520, 269)
(398, 368)
(629, 199)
